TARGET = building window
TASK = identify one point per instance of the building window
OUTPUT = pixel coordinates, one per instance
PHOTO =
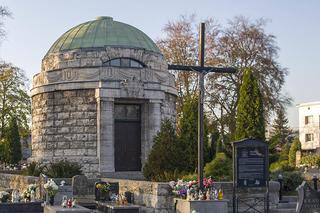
(309, 137)
(124, 62)
(308, 119)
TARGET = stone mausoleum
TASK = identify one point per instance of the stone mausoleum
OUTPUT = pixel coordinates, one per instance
(103, 89)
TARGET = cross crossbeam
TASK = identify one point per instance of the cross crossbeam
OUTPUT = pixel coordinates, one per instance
(202, 69)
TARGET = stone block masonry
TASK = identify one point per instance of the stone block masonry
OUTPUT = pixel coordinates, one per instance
(64, 125)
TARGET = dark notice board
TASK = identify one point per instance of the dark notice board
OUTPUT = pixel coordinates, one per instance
(251, 163)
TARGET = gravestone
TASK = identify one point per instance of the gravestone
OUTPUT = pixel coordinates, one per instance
(80, 185)
(251, 163)
(250, 175)
(308, 199)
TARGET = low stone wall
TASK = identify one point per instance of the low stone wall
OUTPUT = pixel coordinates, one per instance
(153, 197)
(17, 182)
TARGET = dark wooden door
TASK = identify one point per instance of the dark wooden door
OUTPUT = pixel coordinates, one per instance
(127, 138)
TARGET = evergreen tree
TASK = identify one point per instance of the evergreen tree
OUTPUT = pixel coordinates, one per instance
(280, 128)
(188, 134)
(284, 154)
(295, 146)
(166, 153)
(250, 117)
(12, 145)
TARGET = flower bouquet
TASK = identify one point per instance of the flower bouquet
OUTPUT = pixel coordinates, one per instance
(179, 188)
(30, 192)
(4, 196)
(51, 188)
(190, 191)
(102, 191)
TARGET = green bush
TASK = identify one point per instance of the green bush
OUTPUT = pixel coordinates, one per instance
(63, 169)
(291, 180)
(220, 168)
(165, 159)
(190, 177)
(60, 169)
(273, 157)
(280, 166)
(295, 146)
(33, 169)
(310, 160)
(284, 154)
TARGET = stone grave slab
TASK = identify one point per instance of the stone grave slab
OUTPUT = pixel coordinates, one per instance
(59, 209)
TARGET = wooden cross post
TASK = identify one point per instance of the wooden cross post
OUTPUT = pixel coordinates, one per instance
(202, 71)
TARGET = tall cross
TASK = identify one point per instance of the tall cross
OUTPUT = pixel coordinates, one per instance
(202, 71)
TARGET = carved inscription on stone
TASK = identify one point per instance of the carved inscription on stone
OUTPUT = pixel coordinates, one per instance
(107, 73)
(69, 75)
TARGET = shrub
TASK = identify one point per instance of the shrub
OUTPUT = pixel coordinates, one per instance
(273, 157)
(190, 177)
(220, 168)
(33, 169)
(63, 169)
(280, 166)
(291, 180)
(164, 160)
(310, 160)
(60, 169)
(284, 154)
(293, 150)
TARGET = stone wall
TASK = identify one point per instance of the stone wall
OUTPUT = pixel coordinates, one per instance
(64, 126)
(17, 182)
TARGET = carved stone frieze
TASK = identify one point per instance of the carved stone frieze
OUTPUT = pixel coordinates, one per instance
(132, 87)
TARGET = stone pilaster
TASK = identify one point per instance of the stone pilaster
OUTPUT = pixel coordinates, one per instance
(105, 111)
(153, 125)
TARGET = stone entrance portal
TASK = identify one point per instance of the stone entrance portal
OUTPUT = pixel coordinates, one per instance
(127, 134)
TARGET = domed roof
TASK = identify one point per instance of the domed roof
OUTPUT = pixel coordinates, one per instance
(103, 31)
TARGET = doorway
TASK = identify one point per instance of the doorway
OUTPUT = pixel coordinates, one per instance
(127, 132)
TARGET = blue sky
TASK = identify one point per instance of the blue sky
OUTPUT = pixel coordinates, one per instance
(36, 24)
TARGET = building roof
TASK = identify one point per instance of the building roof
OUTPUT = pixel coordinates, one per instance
(308, 104)
(102, 32)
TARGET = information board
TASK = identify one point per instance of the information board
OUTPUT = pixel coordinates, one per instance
(251, 166)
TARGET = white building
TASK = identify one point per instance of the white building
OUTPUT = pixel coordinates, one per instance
(309, 126)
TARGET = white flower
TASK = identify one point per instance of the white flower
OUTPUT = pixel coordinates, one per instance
(3, 193)
(172, 184)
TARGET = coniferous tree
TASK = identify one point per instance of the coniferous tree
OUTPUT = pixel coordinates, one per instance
(284, 154)
(250, 116)
(280, 130)
(166, 153)
(188, 134)
(12, 143)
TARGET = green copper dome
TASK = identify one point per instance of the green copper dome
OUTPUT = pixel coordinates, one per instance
(103, 32)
